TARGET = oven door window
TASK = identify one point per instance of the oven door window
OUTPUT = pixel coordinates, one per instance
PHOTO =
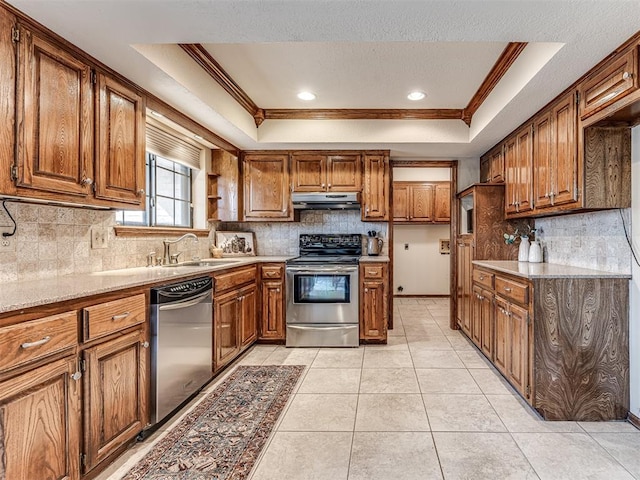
(321, 288)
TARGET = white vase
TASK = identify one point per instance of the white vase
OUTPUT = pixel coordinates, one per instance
(523, 251)
(535, 252)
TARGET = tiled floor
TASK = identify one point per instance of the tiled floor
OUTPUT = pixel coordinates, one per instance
(426, 406)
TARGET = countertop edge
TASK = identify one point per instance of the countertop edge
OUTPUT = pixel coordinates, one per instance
(546, 270)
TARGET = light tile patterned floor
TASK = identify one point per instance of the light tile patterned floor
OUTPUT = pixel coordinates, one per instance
(426, 406)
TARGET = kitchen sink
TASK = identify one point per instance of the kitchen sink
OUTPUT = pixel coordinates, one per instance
(202, 263)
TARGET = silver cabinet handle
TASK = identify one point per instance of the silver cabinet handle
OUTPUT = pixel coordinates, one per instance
(121, 316)
(37, 343)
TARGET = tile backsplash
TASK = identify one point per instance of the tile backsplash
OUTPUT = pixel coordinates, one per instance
(281, 238)
(589, 240)
(52, 241)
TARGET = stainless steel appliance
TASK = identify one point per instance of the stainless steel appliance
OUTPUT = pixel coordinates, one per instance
(181, 343)
(322, 292)
(326, 201)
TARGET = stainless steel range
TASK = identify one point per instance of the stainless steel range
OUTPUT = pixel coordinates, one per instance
(322, 292)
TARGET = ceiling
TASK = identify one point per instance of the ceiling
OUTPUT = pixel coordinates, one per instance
(351, 54)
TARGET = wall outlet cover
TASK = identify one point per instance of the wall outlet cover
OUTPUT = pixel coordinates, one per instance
(7, 244)
(99, 237)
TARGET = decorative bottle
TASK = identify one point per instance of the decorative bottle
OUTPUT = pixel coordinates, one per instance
(535, 252)
(523, 251)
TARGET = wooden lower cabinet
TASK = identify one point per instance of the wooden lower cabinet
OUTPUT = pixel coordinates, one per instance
(248, 311)
(116, 395)
(225, 335)
(374, 303)
(512, 344)
(272, 303)
(40, 416)
(463, 294)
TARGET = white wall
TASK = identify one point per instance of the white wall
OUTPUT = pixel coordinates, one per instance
(418, 174)
(421, 270)
(634, 313)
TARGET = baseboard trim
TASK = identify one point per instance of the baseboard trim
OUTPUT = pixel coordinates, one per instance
(634, 420)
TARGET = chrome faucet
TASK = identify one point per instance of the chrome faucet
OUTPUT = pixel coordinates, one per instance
(166, 243)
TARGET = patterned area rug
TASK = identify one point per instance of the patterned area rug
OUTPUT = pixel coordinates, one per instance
(221, 438)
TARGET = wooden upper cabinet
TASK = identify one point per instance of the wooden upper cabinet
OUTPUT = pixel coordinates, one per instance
(604, 87)
(344, 173)
(120, 159)
(376, 186)
(442, 203)
(518, 159)
(54, 118)
(421, 203)
(400, 202)
(7, 102)
(309, 172)
(326, 173)
(485, 168)
(492, 166)
(565, 151)
(542, 162)
(267, 187)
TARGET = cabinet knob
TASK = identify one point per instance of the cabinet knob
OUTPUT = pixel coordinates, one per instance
(145, 344)
(322, 185)
(481, 277)
(507, 289)
(86, 181)
(366, 290)
(626, 75)
(140, 192)
(277, 290)
(329, 185)
(76, 376)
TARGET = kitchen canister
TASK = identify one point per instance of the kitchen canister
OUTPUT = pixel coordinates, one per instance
(523, 250)
(535, 252)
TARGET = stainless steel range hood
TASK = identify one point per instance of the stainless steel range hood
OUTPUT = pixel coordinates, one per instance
(326, 201)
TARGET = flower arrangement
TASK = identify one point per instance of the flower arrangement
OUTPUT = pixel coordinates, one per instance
(510, 238)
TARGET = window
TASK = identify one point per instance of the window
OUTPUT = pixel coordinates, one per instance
(168, 201)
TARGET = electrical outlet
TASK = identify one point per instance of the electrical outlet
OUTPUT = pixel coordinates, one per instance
(406, 246)
(7, 244)
(99, 237)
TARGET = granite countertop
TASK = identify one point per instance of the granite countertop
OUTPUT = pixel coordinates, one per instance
(546, 270)
(374, 258)
(33, 293)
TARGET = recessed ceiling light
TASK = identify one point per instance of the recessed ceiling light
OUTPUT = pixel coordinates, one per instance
(306, 96)
(416, 95)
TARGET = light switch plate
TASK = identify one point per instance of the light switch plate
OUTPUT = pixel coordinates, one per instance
(99, 237)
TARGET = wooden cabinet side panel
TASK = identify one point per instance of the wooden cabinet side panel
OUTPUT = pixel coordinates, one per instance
(607, 175)
(40, 423)
(581, 336)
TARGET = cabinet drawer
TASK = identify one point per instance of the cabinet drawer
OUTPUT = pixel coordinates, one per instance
(110, 317)
(373, 271)
(483, 278)
(271, 272)
(235, 278)
(28, 341)
(518, 292)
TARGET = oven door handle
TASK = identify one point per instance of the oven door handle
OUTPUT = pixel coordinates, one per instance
(304, 327)
(185, 304)
(333, 269)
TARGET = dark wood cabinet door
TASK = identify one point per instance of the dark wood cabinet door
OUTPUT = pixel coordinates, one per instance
(476, 318)
(344, 173)
(486, 340)
(442, 203)
(606, 86)
(524, 158)
(542, 160)
(497, 165)
(518, 364)
(8, 60)
(421, 203)
(485, 169)
(374, 317)
(375, 192)
(120, 158)
(225, 334)
(309, 172)
(400, 202)
(40, 419)
(511, 174)
(464, 311)
(116, 390)
(248, 322)
(272, 310)
(565, 151)
(501, 356)
(54, 119)
(266, 187)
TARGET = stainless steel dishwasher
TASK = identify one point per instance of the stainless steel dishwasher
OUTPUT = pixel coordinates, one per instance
(181, 343)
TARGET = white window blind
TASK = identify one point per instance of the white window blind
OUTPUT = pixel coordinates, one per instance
(166, 145)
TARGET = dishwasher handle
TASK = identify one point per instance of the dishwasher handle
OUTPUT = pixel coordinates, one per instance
(186, 303)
